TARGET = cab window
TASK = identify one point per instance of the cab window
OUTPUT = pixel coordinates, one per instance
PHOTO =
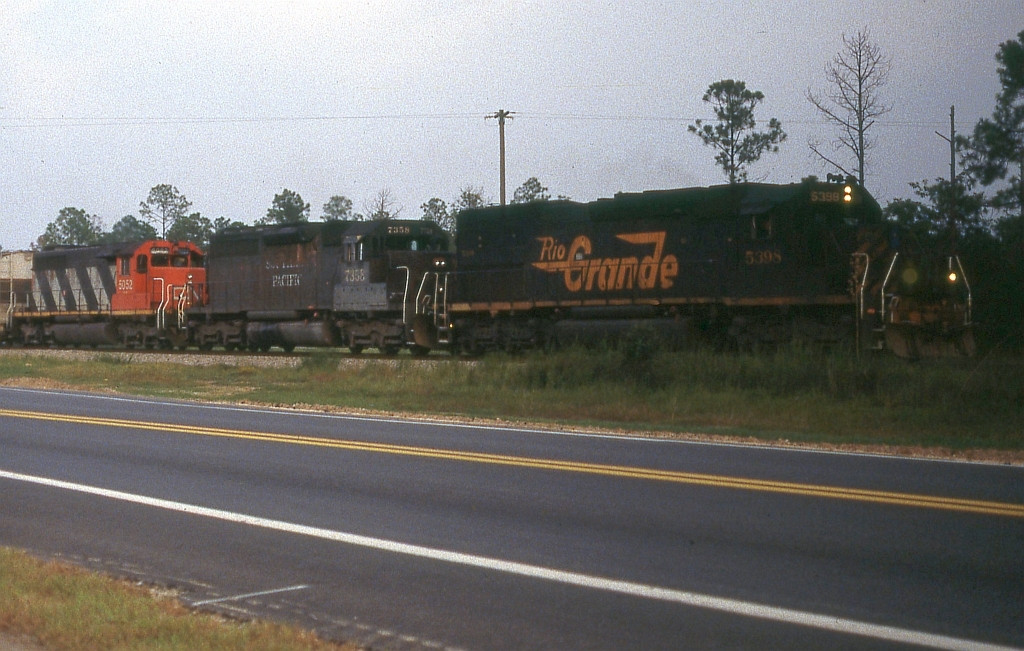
(142, 263)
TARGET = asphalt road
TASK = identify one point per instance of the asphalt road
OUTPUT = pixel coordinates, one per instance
(411, 535)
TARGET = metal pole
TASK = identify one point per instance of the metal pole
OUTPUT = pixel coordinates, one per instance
(500, 116)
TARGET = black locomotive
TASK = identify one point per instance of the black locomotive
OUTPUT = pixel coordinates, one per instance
(743, 265)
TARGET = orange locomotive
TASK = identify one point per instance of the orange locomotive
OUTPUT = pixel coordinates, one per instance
(133, 294)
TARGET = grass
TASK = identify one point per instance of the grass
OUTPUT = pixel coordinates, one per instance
(67, 608)
(793, 394)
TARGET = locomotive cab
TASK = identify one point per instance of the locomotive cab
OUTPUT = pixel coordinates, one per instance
(389, 285)
(158, 275)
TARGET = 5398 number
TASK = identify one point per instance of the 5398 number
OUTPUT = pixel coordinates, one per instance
(763, 256)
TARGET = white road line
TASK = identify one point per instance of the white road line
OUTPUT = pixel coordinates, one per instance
(682, 597)
(239, 597)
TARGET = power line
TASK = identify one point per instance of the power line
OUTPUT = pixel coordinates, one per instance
(93, 121)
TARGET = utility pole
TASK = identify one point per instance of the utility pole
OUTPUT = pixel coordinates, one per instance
(952, 165)
(500, 116)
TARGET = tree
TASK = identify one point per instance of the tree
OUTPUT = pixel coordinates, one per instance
(73, 227)
(531, 190)
(996, 146)
(732, 136)
(436, 210)
(852, 101)
(223, 223)
(129, 229)
(287, 208)
(164, 206)
(382, 206)
(928, 215)
(337, 208)
(469, 197)
(192, 228)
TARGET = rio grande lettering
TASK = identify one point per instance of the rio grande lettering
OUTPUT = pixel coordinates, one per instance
(584, 273)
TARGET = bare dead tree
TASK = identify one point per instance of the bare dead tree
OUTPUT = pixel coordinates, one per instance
(851, 100)
(382, 206)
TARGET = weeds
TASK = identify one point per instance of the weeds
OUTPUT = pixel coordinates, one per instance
(831, 396)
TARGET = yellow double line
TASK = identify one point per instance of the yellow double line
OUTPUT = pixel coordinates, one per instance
(698, 479)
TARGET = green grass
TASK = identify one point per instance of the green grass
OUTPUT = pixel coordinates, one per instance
(67, 608)
(793, 394)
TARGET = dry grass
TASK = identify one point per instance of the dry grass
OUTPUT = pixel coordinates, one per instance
(67, 608)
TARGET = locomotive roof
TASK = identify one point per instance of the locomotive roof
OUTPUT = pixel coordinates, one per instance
(706, 203)
(332, 232)
(56, 257)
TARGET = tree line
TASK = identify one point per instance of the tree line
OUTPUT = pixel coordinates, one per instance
(166, 213)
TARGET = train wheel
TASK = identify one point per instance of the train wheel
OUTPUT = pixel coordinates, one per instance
(355, 349)
(419, 351)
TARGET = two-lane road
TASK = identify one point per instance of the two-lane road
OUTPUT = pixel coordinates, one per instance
(404, 534)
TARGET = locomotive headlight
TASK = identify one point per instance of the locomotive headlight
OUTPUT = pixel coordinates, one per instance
(848, 193)
(951, 276)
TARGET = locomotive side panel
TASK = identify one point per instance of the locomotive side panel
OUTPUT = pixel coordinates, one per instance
(74, 281)
(260, 272)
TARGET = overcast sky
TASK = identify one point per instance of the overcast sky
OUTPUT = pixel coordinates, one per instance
(231, 102)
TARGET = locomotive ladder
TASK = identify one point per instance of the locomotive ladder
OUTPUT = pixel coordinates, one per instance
(432, 301)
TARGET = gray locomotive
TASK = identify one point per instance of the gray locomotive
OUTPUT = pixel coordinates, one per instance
(357, 284)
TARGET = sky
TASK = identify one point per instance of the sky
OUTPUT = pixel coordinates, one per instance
(232, 102)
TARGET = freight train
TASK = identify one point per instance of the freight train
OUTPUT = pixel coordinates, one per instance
(743, 266)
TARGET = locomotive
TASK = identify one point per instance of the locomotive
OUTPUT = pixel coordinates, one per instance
(745, 266)
(121, 294)
(357, 284)
(742, 266)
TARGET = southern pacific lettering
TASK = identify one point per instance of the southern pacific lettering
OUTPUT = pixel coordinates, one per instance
(585, 273)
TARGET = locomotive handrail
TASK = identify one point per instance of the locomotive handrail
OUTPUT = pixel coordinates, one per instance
(186, 292)
(162, 305)
(862, 283)
(419, 294)
(438, 299)
(405, 294)
(863, 280)
(885, 282)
